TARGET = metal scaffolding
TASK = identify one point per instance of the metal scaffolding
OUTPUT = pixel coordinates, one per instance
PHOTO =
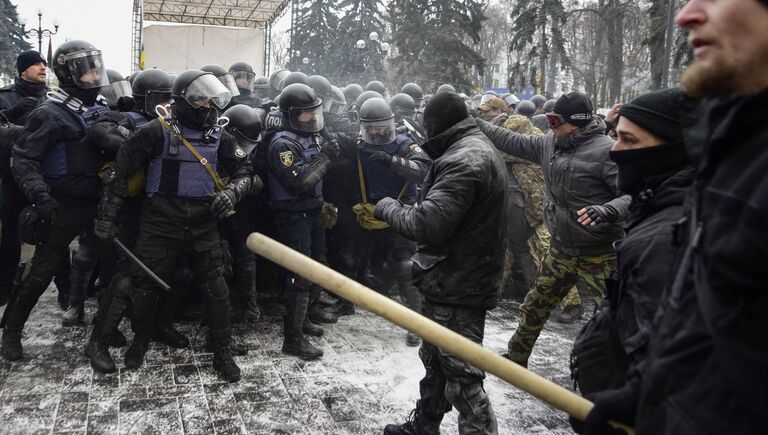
(255, 14)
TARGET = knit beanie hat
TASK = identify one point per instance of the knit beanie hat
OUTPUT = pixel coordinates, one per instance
(28, 58)
(575, 108)
(442, 112)
(657, 112)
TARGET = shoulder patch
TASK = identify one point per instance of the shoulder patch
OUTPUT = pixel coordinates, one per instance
(286, 157)
(415, 148)
(239, 153)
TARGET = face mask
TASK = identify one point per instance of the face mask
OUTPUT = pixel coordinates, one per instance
(647, 168)
(87, 96)
(201, 118)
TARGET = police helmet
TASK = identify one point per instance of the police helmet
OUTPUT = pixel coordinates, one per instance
(294, 77)
(322, 88)
(511, 100)
(243, 74)
(302, 110)
(377, 122)
(525, 108)
(414, 91)
(339, 102)
(445, 88)
(197, 88)
(245, 125)
(549, 105)
(403, 106)
(117, 88)
(365, 96)
(151, 87)
(224, 77)
(78, 63)
(538, 100)
(276, 79)
(376, 86)
(351, 92)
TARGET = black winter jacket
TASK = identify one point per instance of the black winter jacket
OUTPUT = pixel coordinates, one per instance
(707, 371)
(577, 177)
(460, 226)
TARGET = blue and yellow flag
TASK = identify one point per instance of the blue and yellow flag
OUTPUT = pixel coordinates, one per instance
(142, 57)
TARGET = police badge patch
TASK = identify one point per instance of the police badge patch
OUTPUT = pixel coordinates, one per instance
(239, 153)
(286, 157)
(415, 148)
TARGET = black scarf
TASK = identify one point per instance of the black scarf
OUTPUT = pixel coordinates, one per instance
(646, 168)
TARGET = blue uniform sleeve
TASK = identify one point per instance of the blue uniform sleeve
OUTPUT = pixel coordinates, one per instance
(285, 161)
(41, 132)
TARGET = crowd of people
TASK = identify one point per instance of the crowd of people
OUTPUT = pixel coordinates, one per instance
(657, 211)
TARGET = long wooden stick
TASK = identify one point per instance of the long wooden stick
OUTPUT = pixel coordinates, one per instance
(428, 330)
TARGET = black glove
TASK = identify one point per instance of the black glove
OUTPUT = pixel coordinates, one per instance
(331, 149)
(615, 405)
(381, 157)
(602, 213)
(105, 228)
(47, 208)
(223, 202)
(20, 108)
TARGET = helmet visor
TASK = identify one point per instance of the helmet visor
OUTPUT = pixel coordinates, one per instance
(229, 82)
(206, 90)
(309, 119)
(87, 69)
(154, 99)
(244, 79)
(378, 132)
(115, 90)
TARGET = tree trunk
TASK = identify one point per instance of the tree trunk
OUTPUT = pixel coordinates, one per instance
(658, 15)
(615, 18)
(552, 76)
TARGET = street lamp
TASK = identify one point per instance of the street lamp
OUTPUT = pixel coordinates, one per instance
(360, 44)
(40, 31)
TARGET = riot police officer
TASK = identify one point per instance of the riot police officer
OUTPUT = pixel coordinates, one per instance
(245, 125)
(351, 92)
(57, 169)
(150, 88)
(390, 165)
(415, 92)
(445, 88)
(377, 86)
(117, 92)
(185, 199)
(224, 77)
(245, 79)
(298, 158)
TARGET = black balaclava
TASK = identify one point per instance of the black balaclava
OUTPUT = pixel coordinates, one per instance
(647, 168)
(87, 96)
(443, 111)
(200, 118)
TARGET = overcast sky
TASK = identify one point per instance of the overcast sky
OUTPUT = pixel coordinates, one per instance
(105, 24)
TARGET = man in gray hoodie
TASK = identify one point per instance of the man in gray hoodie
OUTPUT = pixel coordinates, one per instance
(583, 209)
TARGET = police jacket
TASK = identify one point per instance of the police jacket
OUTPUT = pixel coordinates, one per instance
(11, 94)
(707, 368)
(408, 167)
(576, 177)
(53, 156)
(339, 124)
(296, 168)
(177, 201)
(460, 225)
(647, 261)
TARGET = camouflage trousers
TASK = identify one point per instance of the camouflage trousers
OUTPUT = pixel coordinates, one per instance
(539, 246)
(557, 274)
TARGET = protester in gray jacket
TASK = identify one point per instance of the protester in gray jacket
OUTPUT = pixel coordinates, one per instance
(583, 209)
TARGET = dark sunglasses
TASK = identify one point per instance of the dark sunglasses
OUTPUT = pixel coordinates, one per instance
(555, 120)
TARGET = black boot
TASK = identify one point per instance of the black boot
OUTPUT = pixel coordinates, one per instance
(113, 313)
(294, 342)
(342, 308)
(246, 281)
(98, 352)
(144, 307)
(134, 356)
(310, 328)
(225, 364)
(12, 345)
(327, 300)
(319, 315)
(417, 424)
(62, 280)
(74, 315)
(167, 334)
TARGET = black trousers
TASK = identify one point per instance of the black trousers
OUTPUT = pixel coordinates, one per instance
(450, 381)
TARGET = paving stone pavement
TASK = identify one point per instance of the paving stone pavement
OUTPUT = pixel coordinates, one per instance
(367, 379)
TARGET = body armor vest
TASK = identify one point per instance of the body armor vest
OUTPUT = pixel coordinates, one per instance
(76, 156)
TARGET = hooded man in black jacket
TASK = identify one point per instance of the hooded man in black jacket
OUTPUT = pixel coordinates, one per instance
(460, 228)
(706, 367)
